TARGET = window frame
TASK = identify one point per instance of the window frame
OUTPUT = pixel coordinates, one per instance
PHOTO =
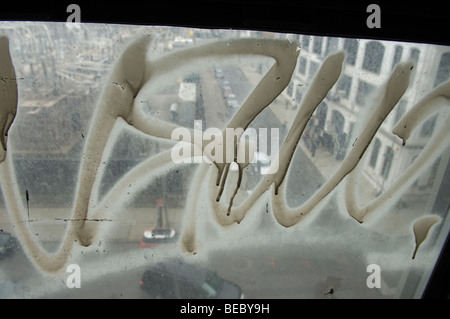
(422, 30)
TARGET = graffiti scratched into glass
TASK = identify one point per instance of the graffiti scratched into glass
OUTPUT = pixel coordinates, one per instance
(351, 134)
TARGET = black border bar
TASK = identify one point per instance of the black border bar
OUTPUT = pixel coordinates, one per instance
(412, 21)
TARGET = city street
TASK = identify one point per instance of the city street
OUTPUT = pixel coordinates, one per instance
(279, 266)
(275, 271)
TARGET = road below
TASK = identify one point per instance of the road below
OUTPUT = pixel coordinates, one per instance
(269, 262)
(274, 271)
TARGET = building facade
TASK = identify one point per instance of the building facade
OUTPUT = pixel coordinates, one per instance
(367, 66)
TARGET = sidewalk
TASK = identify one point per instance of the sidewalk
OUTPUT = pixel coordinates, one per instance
(323, 160)
(327, 165)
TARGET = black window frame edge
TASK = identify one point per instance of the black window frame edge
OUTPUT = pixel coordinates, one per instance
(401, 21)
(438, 286)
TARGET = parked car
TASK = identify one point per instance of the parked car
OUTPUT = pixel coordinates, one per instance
(218, 72)
(232, 102)
(157, 236)
(263, 162)
(225, 83)
(227, 91)
(176, 279)
(8, 244)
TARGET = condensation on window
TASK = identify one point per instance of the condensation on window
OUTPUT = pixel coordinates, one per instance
(153, 162)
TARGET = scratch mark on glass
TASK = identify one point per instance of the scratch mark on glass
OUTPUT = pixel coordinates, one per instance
(27, 197)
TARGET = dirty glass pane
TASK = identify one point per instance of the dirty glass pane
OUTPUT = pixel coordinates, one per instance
(167, 162)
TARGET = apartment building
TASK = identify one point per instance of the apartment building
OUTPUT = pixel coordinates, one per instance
(367, 66)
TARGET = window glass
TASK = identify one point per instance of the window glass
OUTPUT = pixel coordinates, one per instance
(443, 70)
(351, 50)
(302, 66)
(373, 57)
(363, 93)
(344, 86)
(317, 45)
(285, 171)
(375, 150)
(397, 55)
